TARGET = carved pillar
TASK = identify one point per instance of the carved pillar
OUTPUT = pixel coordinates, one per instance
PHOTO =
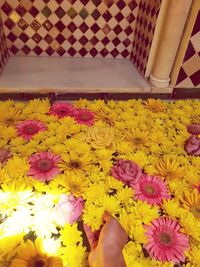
(170, 36)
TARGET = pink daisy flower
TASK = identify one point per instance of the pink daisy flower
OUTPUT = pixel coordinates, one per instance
(165, 240)
(43, 166)
(27, 129)
(150, 189)
(62, 110)
(84, 116)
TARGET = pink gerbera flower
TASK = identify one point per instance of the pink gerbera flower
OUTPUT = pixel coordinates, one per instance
(165, 240)
(84, 116)
(27, 129)
(62, 110)
(150, 189)
(43, 166)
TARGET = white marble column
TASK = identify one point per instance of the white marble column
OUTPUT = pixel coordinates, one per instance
(172, 30)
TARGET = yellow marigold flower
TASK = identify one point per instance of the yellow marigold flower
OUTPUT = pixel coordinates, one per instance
(155, 105)
(92, 216)
(172, 208)
(108, 117)
(31, 254)
(136, 138)
(113, 184)
(100, 138)
(75, 163)
(158, 137)
(77, 146)
(16, 166)
(103, 154)
(138, 157)
(9, 245)
(70, 235)
(10, 117)
(191, 225)
(8, 132)
(75, 185)
(74, 256)
(195, 162)
(191, 202)
(94, 190)
(137, 231)
(4, 178)
(124, 147)
(178, 186)
(144, 212)
(58, 148)
(168, 167)
(37, 106)
(125, 220)
(124, 195)
(133, 249)
(110, 204)
(194, 255)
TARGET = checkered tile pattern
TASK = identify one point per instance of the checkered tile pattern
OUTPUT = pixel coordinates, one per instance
(144, 31)
(70, 28)
(3, 48)
(189, 75)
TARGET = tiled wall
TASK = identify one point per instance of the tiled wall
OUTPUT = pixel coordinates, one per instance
(3, 48)
(144, 32)
(189, 75)
(71, 28)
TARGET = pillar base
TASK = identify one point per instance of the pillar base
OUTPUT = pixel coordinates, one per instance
(160, 83)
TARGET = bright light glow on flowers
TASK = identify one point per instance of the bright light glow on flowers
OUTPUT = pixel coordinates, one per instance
(151, 189)
(43, 166)
(165, 240)
(68, 209)
(27, 129)
(31, 254)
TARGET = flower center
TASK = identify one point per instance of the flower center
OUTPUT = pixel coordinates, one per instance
(165, 239)
(31, 129)
(196, 211)
(138, 140)
(74, 187)
(39, 263)
(62, 111)
(74, 164)
(85, 117)
(150, 190)
(44, 165)
(9, 121)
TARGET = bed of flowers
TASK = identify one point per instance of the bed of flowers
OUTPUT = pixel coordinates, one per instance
(63, 165)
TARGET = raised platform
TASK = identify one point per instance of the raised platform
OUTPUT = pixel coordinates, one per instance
(71, 75)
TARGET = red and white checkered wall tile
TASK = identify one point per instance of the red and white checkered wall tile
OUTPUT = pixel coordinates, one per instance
(189, 74)
(144, 32)
(3, 48)
(71, 28)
